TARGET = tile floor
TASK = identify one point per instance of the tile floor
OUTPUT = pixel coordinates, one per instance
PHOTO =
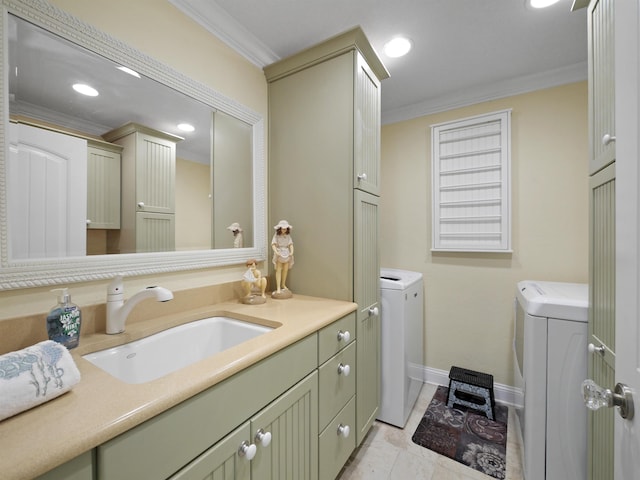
(387, 453)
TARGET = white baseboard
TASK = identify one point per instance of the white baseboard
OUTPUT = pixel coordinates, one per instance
(504, 394)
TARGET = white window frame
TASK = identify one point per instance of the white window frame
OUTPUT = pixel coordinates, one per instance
(471, 184)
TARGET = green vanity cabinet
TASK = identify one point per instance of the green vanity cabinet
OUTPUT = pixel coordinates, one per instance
(80, 468)
(337, 394)
(291, 420)
(220, 461)
(163, 445)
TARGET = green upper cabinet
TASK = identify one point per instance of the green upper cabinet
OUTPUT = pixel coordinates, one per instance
(601, 85)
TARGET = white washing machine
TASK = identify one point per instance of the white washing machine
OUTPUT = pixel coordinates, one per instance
(550, 343)
(402, 325)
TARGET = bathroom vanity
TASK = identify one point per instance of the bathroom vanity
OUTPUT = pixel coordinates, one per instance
(281, 405)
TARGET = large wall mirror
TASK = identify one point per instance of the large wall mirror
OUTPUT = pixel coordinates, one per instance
(114, 181)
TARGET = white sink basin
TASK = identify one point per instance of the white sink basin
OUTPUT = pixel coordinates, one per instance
(157, 355)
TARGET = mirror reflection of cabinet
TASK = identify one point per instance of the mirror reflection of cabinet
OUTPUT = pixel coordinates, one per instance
(147, 221)
(103, 185)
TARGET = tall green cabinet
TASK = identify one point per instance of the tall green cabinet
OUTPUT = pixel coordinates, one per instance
(602, 210)
(324, 172)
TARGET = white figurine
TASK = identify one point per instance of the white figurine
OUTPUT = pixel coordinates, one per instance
(238, 241)
(253, 278)
(282, 246)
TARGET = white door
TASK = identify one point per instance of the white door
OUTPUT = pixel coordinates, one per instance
(627, 365)
(47, 193)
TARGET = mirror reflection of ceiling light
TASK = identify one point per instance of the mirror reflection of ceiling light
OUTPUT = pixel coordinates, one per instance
(541, 3)
(397, 47)
(186, 127)
(129, 71)
(85, 90)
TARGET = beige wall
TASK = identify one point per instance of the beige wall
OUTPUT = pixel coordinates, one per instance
(193, 206)
(469, 297)
(161, 31)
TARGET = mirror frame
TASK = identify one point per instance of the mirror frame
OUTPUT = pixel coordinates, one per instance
(46, 272)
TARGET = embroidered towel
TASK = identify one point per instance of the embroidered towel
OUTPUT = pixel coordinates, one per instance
(35, 375)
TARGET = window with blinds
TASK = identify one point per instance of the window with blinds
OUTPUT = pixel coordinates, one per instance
(471, 184)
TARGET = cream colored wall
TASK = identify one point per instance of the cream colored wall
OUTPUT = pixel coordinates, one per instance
(161, 31)
(193, 205)
(469, 297)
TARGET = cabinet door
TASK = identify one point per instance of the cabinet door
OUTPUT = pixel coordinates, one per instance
(367, 287)
(155, 174)
(222, 461)
(602, 317)
(292, 421)
(601, 84)
(155, 232)
(366, 128)
(103, 188)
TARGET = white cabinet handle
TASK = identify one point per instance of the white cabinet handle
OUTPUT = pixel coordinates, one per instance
(247, 450)
(344, 336)
(344, 369)
(263, 438)
(140, 204)
(344, 430)
(374, 311)
(88, 221)
(593, 349)
(362, 177)
(607, 139)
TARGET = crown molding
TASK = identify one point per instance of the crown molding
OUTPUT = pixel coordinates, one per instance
(505, 88)
(217, 21)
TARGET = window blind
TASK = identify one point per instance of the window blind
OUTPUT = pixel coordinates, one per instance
(471, 184)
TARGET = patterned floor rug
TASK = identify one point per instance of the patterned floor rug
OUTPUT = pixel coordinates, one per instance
(464, 435)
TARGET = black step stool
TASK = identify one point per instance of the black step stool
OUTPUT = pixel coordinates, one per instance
(471, 389)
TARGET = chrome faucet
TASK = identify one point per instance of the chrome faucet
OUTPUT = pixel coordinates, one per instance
(118, 310)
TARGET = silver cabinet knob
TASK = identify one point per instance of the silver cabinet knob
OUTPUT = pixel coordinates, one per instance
(374, 311)
(344, 336)
(247, 450)
(362, 177)
(344, 430)
(593, 349)
(263, 438)
(607, 139)
(140, 204)
(596, 397)
(344, 369)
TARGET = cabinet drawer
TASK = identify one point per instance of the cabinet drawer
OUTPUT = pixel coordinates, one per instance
(328, 342)
(335, 449)
(336, 388)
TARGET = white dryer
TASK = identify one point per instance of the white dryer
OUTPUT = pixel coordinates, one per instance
(402, 307)
(550, 343)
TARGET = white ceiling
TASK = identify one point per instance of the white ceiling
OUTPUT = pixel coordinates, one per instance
(464, 51)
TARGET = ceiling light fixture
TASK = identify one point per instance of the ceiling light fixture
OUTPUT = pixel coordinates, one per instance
(129, 71)
(397, 47)
(541, 3)
(85, 90)
(186, 127)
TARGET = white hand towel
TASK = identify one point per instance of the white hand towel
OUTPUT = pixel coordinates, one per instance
(35, 375)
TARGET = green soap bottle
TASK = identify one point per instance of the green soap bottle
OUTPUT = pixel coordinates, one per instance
(64, 320)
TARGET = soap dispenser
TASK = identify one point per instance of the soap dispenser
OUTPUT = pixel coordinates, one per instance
(64, 320)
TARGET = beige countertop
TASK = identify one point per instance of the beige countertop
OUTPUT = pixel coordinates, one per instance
(101, 407)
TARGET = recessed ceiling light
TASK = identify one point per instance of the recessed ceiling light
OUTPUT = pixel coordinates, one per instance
(541, 3)
(186, 127)
(85, 90)
(129, 71)
(397, 47)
